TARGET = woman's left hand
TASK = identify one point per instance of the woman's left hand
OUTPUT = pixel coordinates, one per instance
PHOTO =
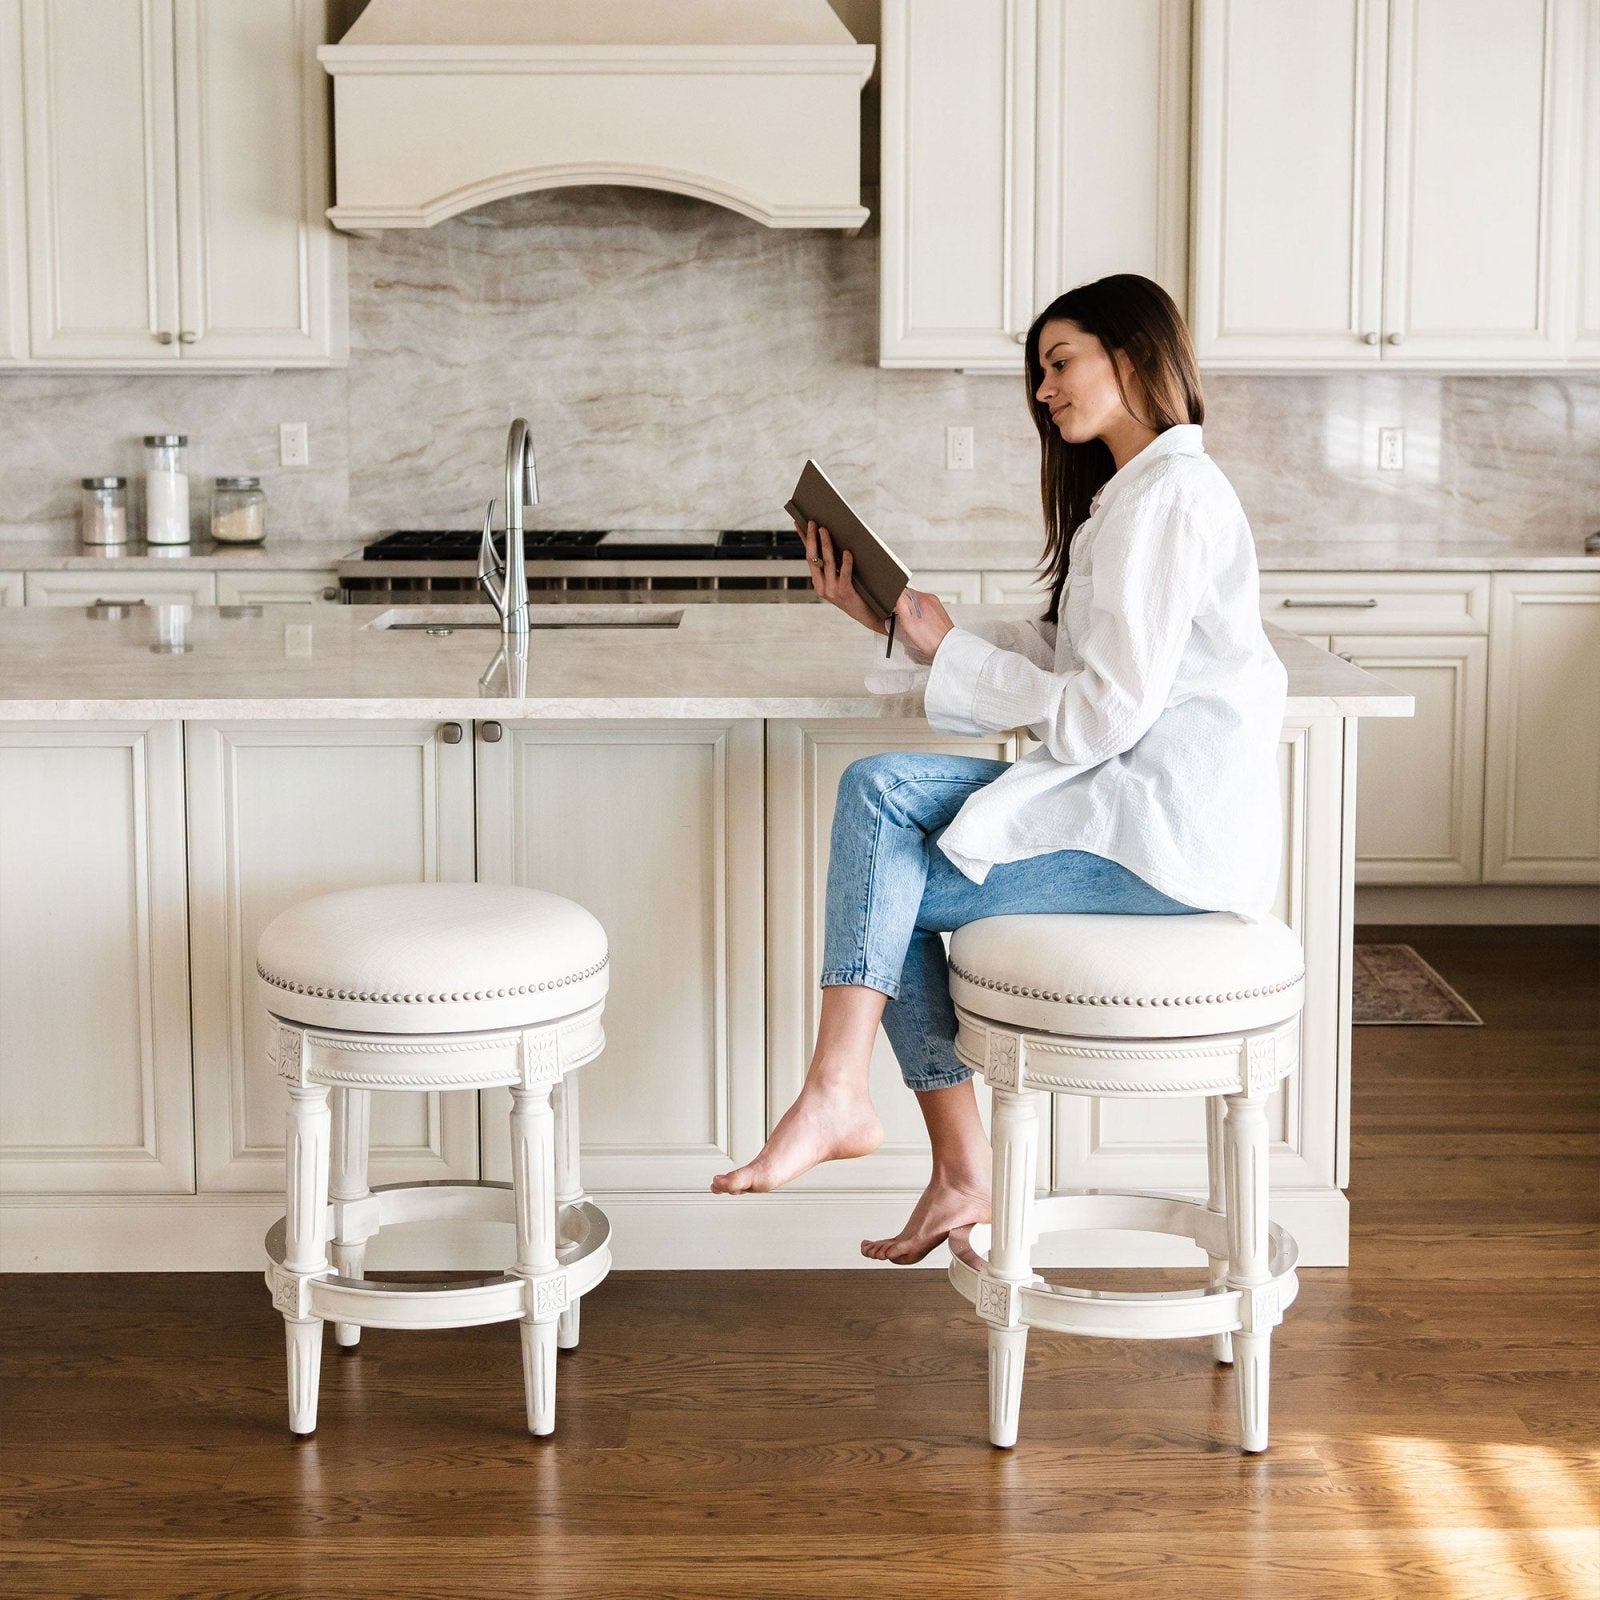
(922, 621)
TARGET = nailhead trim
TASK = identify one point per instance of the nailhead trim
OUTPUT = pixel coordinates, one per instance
(1124, 999)
(316, 991)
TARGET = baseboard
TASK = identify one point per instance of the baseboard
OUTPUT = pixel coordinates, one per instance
(1480, 903)
(189, 1233)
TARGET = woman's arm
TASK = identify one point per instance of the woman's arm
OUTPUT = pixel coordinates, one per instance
(1151, 573)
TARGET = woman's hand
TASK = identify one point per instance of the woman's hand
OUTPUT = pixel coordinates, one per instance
(832, 581)
(922, 621)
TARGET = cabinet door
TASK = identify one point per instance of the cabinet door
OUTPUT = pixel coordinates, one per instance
(13, 235)
(956, 256)
(1113, 75)
(277, 813)
(256, 255)
(277, 588)
(1161, 1144)
(1476, 129)
(1542, 797)
(80, 588)
(1584, 185)
(1014, 589)
(657, 830)
(94, 1001)
(804, 764)
(1419, 789)
(953, 588)
(101, 179)
(1288, 176)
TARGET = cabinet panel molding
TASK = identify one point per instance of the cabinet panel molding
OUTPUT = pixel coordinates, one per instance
(13, 219)
(279, 812)
(79, 588)
(94, 1003)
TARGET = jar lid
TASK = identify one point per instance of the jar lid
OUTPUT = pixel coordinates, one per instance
(238, 483)
(105, 483)
(165, 441)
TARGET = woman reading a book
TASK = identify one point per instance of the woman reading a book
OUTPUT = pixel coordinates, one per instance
(1157, 703)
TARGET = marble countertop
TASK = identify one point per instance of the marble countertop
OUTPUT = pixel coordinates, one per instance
(1344, 550)
(56, 664)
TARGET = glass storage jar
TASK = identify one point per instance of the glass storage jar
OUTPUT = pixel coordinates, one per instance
(238, 511)
(103, 511)
(166, 488)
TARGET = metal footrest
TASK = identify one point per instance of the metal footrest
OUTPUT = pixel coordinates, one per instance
(1131, 1314)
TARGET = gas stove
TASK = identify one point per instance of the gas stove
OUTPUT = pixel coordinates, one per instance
(441, 566)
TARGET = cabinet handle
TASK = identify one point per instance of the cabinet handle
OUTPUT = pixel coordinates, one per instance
(1397, 338)
(187, 338)
(451, 733)
(1369, 338)
(491, 732)
(1021, 338)
(163, 338)
(1334, 605)
(331, 592)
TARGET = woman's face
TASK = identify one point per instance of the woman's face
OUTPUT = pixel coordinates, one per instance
(1080, 385)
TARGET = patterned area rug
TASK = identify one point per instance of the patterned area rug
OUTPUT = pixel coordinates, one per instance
(1393, 984)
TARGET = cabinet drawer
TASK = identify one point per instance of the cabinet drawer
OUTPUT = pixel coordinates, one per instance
(953, 588)
(1376, 602)
(10, 588)
(154, 588)
(277, 588)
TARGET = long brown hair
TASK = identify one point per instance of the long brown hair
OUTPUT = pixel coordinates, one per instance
(1125, 313)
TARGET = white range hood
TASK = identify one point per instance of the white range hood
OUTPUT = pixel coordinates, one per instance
(441, 105)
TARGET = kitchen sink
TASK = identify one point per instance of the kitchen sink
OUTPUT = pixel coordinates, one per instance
(441, 621)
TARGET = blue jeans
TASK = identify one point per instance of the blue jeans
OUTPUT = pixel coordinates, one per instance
(892, 892)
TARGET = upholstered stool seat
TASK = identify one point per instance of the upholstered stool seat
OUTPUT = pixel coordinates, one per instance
(1131, 1007)
(432, 986)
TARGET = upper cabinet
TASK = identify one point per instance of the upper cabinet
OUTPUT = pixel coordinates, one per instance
(1393, 181)
(1027, 146)
(174, 175)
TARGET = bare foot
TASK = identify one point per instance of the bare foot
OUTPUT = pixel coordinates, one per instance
(946, 1208)
(822, 1125)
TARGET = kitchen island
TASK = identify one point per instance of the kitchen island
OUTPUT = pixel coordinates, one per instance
(672, 769)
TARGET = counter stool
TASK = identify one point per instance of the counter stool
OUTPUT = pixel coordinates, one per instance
(435, 986)
(1131, 1007)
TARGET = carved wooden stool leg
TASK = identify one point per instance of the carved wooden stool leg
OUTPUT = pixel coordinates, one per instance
(1014, 1134)
(352, 1122)
(569, 1186)
(1245, 1138)
(1217, 1201)
(306, 1241)
(533, 1185)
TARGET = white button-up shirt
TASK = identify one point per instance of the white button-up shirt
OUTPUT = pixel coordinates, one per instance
(1158, 701)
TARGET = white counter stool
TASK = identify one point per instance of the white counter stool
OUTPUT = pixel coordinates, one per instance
(1131, 1007)
(434, 986)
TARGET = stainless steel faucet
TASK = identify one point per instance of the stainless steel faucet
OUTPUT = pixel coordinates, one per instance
(506, 583)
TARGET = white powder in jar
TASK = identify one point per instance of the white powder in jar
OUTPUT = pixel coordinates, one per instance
(166, 508)
(242, 524)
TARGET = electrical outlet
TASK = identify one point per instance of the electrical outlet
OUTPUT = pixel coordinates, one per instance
(294, 447)
(958, 449)
(1391, 449)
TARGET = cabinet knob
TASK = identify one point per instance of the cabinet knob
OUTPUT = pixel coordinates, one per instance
(1369, 338)
(1021, 338)
(1397, 338)
(331, 592)
(491, 732)
(187, 338)
(163, 337)
(451, 733)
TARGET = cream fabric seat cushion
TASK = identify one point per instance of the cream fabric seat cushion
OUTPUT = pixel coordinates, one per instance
(1128, 977)
(432, 958)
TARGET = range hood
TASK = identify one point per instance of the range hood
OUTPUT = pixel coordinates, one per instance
(441, 105)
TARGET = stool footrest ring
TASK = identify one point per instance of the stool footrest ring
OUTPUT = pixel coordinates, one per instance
(1143, 1314)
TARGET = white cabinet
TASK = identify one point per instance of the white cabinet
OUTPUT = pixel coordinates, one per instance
(1351, 156)
(953, 588)
(94, 1003)
(279, 812)
(80, 588)
(176, 163)
(1542, 804)
(657, 830)
(13, 242)
(989, 207)
(1585, 186)
(1015, 588)
(11, 589)
(319, 587)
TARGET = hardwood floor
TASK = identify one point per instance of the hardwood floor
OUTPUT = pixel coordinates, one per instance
(822, 1434)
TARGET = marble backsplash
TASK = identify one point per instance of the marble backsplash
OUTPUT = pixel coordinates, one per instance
(678, 362)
